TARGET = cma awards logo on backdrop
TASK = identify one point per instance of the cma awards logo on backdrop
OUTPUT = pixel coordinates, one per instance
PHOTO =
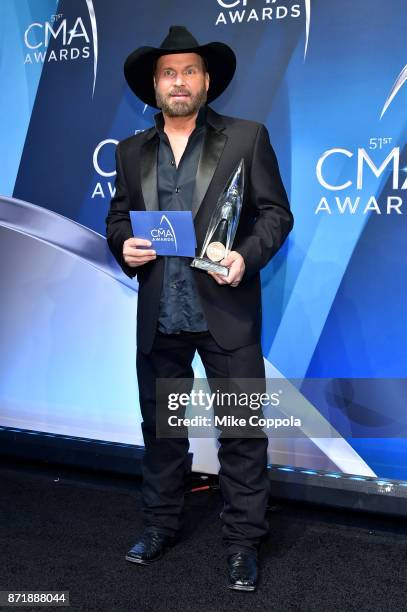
(360, 164)
(234, 12)
(244, 11)
(103, 160)
(73, 40)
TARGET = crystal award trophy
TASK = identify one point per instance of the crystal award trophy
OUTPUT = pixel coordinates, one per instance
(223, 225)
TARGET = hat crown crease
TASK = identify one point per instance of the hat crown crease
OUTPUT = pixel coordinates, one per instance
(179, 38)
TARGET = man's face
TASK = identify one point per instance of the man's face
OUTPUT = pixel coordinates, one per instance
(180, 84)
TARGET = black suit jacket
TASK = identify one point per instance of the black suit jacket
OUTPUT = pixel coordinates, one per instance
(233, 314)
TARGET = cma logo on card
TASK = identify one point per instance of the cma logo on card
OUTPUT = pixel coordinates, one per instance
(164, 233)
(71, 39)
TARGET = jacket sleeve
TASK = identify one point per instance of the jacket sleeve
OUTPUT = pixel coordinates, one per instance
(118, 224)
(274, 219)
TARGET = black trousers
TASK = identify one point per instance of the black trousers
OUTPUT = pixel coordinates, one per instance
(243, 475)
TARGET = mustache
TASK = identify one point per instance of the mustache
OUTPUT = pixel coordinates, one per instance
(175, 92)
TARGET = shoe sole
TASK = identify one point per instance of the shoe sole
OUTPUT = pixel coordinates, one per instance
(237, 587)
(143, 562)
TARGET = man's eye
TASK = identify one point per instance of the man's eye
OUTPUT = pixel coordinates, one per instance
(168, 73)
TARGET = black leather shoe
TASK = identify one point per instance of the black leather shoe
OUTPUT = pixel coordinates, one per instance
(242, 568)
(150, 547)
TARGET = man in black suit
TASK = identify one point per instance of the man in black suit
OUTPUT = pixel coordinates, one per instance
(183, 163)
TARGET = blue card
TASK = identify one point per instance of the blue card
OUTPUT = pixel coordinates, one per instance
(171, 232)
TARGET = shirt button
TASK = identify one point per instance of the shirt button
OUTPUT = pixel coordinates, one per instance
(177, 190)
(173, 285)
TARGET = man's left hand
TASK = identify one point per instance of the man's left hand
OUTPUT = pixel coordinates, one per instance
(235, 262)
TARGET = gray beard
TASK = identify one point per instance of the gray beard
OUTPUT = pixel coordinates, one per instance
(181, 108)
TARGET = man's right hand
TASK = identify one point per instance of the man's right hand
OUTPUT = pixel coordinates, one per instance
(135, 256)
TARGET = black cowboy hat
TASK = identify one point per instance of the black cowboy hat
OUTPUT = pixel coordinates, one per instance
(139, 66)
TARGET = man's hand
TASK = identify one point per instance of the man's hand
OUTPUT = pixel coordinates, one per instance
(134, 256)
(235, 262)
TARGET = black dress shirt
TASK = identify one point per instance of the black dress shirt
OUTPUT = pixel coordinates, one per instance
(180, 308)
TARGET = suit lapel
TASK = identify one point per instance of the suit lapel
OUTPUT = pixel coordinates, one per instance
(212, 149)
(148, 173)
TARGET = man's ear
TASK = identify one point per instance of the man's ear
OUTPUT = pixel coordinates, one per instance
(207, 80)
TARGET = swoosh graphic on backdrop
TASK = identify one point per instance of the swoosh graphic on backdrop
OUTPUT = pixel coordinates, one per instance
(307, 24)
(336, 448)
(61, 233)
(92, 16)
(401, 79)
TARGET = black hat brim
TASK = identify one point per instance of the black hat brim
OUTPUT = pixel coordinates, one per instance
(138, 69)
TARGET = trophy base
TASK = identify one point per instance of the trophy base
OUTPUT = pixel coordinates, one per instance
(209, 266)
